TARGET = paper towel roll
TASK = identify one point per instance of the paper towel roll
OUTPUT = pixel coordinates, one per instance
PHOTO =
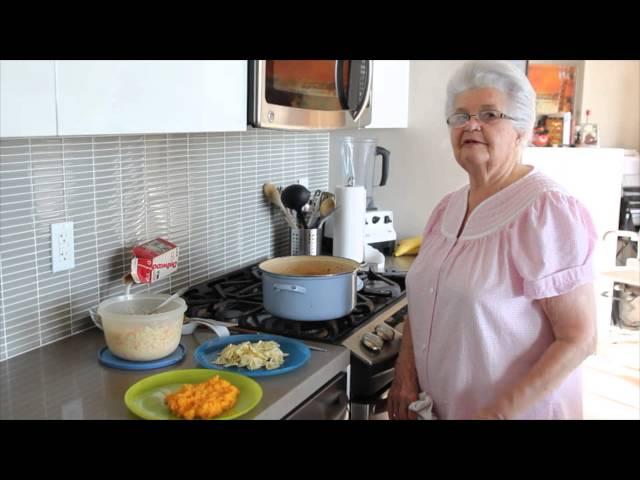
(348, 229)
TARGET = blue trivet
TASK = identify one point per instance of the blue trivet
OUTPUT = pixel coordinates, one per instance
(110, 360)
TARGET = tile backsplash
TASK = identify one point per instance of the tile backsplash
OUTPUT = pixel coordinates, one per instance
(202, 191)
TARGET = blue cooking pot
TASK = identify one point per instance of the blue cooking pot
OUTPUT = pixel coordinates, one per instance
(309, 288)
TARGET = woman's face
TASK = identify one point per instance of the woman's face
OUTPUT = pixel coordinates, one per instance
(479, 144)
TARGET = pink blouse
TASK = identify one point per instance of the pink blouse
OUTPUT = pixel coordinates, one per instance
(476, 326)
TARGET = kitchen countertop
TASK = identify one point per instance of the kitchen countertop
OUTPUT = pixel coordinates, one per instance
(398, 265)
(64, 380)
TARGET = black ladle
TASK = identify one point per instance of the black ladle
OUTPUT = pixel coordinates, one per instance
(295, 197)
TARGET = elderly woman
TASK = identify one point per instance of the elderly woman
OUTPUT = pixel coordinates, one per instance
(501, 305)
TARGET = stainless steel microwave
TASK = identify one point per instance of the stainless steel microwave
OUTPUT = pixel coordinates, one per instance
(310, 94)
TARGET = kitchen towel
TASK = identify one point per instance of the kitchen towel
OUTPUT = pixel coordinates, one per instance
(348, 233)
(423, 407)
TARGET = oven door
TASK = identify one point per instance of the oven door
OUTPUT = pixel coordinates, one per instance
(328, 403)
(310, 94)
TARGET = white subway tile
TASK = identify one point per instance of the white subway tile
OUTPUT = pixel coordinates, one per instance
(204, 190)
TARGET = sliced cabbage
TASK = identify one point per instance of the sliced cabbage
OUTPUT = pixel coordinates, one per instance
(252, 355)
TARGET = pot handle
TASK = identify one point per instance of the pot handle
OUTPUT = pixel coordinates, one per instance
(289, 288)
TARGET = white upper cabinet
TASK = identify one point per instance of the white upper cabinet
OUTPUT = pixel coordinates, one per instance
(124, 97)
(27, 98)
(390, 94)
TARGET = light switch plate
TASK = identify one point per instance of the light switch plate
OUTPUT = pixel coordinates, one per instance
(62, 248)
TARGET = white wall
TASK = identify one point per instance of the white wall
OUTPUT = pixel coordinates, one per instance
(422, 168)
(612, 92)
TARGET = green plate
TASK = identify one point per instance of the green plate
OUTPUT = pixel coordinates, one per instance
(146, 398)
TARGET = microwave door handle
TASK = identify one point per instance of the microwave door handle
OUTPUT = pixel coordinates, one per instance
(354, 94)
(365, 101)
(342, 94)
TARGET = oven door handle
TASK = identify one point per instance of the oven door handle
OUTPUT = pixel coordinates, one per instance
(359, 110)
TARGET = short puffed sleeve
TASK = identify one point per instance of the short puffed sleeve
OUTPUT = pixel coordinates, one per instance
(552, 244)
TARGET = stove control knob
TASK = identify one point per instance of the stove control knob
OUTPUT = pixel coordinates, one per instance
(375, 219)
(387, 219)
(372, 342)
(385, 332)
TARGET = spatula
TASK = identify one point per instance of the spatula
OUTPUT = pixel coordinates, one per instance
(175, 295)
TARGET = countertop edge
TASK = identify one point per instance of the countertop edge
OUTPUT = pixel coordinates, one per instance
(304, 390)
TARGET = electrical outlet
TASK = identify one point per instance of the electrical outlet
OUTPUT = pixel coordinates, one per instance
(62, 249)
(304, 181)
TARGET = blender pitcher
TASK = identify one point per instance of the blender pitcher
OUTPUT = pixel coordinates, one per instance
(358, 160)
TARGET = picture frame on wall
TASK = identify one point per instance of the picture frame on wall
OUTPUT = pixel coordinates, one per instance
(587, 135)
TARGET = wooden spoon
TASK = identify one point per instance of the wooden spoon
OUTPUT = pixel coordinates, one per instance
(327, 206)
(272, 194)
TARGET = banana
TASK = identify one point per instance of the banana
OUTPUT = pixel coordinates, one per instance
(408, 246)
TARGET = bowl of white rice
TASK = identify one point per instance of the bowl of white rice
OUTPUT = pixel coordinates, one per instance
(134, 334)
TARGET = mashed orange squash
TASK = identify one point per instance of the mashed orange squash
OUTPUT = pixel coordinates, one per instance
(203, 400)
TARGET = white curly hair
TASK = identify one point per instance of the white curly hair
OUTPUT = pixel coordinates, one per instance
(503, 76)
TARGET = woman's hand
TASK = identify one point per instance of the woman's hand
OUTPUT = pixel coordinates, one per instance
(404, 390)
(405, 387)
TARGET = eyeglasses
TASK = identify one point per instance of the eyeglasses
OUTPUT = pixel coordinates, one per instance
(458, 120)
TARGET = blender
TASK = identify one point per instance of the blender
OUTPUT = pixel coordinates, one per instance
(359, 161)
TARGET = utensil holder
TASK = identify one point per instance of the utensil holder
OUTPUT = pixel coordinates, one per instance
(306, 241)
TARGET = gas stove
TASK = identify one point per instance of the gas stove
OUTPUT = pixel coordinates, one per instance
(236, 298)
